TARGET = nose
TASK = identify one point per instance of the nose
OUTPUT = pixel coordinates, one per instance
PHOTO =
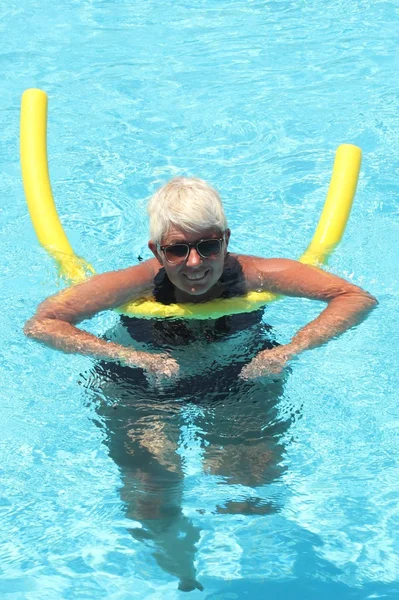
(193, 258)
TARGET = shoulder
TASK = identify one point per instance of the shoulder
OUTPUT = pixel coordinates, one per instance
(123, 285)
(249, 262)
(144, 271)
(139, 280)
(256, 269)
(293, 278)
(101, 292)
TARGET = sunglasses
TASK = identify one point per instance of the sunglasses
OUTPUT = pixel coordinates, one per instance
(177, 253)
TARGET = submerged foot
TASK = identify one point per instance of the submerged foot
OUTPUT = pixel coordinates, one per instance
(188, 585)
(254, 506)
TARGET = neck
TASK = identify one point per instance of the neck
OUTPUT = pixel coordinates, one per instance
(215, 292)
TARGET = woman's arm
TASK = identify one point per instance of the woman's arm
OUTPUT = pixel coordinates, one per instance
(54, 323)
(347, 306)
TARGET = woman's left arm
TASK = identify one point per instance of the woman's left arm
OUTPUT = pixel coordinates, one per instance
(347, 306)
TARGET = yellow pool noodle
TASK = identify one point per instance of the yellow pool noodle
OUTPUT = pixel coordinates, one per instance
(74, 269)
(39, 197)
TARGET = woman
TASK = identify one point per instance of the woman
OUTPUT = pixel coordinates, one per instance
(231, 367)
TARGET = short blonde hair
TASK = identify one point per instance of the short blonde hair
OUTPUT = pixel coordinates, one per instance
(188, 203)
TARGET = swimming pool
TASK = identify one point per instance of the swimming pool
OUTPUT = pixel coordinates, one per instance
(254, 97)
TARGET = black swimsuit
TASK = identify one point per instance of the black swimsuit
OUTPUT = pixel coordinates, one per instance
(163, 334)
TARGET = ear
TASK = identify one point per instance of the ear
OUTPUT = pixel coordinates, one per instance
(227, 237)
(154, 250)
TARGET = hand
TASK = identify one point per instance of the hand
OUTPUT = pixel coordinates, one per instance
(267, 363)
(156, 366)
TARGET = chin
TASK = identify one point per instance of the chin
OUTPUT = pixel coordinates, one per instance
(195, 289)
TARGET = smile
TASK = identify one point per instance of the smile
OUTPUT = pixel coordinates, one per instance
(196, 276)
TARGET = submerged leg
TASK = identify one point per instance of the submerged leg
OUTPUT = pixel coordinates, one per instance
(152, 490)
(142, 435)
(243, 442)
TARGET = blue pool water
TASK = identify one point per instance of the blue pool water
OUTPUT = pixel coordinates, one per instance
(253, 96)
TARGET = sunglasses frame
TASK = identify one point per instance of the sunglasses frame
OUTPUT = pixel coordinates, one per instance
(190, 245)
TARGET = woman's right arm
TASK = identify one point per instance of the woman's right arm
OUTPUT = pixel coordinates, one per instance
(55, 320)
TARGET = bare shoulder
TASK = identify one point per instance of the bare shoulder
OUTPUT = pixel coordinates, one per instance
(256, 269)
(141, 274)
(136, 280)
(293, 278)
(102, 292)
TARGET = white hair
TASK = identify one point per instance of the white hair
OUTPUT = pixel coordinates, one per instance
(188, 203)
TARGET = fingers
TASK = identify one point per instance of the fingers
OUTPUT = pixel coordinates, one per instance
(252, 371)
(157, 367)
(169, 366)
(251, 374)
(160, 367)
(260, 367)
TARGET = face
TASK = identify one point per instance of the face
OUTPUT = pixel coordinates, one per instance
(195, 275)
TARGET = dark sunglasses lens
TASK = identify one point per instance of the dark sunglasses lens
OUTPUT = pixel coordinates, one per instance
(176, 253)
(209, 248)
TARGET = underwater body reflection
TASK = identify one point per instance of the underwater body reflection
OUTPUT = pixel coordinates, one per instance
(237, 427)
